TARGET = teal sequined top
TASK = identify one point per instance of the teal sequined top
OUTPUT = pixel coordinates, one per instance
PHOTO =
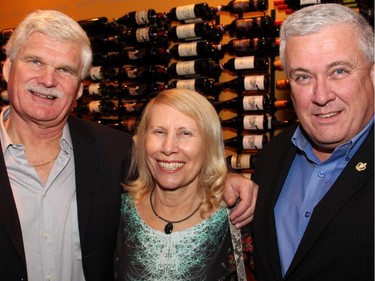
(202, 252)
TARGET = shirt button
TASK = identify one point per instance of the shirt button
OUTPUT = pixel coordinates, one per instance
(307, 214)
(45, 236)
(321, 174)
(49, 277)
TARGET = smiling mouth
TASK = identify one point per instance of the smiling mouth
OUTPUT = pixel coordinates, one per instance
(43, 96)
(170, 166)
(328, 115)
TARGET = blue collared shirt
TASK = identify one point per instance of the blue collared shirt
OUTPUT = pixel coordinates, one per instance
(308, 181)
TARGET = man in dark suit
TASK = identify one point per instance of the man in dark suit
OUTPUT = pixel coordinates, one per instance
(60, 177)
(314, 218)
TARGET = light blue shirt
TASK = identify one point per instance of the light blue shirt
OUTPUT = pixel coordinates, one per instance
(47, 213)
(308, 181)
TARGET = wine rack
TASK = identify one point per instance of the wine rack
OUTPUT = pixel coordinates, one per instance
(228, 53)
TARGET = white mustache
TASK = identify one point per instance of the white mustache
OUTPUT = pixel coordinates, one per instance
(44, 91)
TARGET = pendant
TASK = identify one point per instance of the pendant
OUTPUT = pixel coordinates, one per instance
(168, 228)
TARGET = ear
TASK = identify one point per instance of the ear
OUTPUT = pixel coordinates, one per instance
(80, 91)
(6, 69)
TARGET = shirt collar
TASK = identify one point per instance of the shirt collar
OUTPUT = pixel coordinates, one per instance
(301, 141)
(6, 141)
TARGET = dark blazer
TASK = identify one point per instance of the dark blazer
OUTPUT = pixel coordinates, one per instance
(339, 241)
(102, 158)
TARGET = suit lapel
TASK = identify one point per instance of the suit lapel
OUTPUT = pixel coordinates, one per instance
(8, 211)
(348, 183)
(86, 159)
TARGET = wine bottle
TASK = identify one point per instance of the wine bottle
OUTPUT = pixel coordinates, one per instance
(253, 103)
(252, 46)
(147, 55)
(128, 124)
(242, 161)
(278, 65)
(244, 6)
(149, 35)
(100, 25)
(255, 122)
(299, 4)
(192, 11)
(201, 49)
(252, 27)
(114, 59)
(201, 67)
(204, 86)
(141, 90)
(138, 18)
(196, 31)
(248, 142)
(105, 44)
(106, 73)
(110, 107)
(102, 89)
(150, 72)
(283, 84)
(247, 83)
(256, 62)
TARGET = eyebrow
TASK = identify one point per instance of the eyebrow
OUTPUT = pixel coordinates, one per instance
(329, 66)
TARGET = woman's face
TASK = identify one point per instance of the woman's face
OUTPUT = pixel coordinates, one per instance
(174, 148)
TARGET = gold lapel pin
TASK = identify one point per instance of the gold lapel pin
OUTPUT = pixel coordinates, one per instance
(361, 166)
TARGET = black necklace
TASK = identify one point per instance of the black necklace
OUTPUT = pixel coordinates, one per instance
(168, 228)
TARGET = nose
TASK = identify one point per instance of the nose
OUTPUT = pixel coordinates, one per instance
(322, 92)
(47, 77)
(170, 145)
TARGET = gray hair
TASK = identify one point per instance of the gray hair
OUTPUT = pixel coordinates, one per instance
(53, 24)
(312, 19)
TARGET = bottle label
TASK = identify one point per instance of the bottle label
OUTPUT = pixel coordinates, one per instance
(269, 122)
(186, 84)
(95, 73)
(254, 83)
(133, 90)
(244, 63)
(241, 5)
(141, 17)
(142, 34)
(242, 45)
(186, 31)
(253, 122)
(94, 106)
(252, 142)
(188, 49)
(240, 161)
(252, 102)
(309, 2)
(185, 12)
(133, 55)
(131, 73)
(185, 68)
(93, 89)
(244, 24)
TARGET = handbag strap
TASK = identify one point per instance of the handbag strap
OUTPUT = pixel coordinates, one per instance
(237, 250)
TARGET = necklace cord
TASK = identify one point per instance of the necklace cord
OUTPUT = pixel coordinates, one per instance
(168, 221)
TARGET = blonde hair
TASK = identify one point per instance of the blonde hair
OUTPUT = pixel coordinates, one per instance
(214, 169)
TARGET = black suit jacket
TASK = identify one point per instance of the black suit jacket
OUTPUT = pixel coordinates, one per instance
(102, 158)
(339, 241)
